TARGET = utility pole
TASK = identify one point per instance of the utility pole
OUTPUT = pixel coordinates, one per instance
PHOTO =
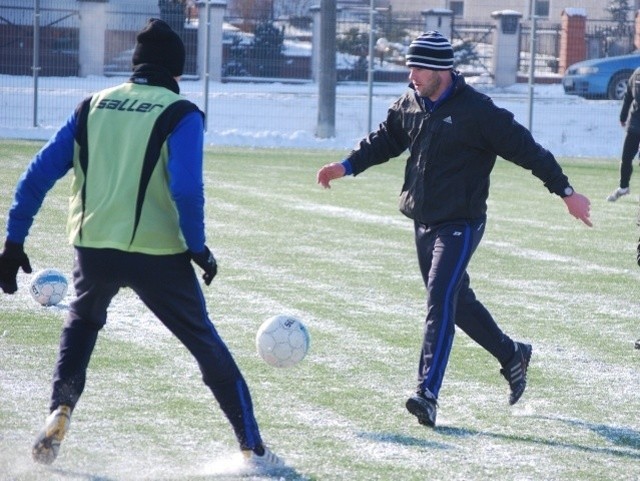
(36, 59)
(532, 59)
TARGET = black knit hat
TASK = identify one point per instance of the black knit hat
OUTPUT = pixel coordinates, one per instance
(431, 51)
(158, 44)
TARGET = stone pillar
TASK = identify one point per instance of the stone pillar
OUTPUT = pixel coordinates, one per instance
(93, 25)
(506, 47)
(573, 46)
(440, 19)
(215, 17)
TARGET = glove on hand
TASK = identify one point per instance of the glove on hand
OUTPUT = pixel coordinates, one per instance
(11, 259)
(207, 263)
(638, 252)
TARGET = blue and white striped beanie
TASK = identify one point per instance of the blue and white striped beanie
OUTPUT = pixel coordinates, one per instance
(432, 51)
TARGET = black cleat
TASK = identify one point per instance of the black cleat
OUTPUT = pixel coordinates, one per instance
(515, 371)
(424, 408)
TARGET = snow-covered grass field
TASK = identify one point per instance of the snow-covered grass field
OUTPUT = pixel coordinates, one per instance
(343, 261)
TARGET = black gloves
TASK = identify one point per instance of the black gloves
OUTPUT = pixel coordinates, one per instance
(207, 263)
(11, 259)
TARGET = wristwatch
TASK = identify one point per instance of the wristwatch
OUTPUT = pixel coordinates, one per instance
(567, 191)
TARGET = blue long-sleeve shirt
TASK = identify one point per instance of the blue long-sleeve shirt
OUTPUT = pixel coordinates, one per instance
(55, 159)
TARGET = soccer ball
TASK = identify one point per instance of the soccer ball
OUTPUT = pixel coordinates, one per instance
(282, 341)
(48, 287)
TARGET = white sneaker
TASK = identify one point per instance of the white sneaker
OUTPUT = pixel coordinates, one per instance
(47, 444)
(616, 194)
(267, 462)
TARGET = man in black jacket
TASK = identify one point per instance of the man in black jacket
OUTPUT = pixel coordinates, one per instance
(630, 120)
(454, 134)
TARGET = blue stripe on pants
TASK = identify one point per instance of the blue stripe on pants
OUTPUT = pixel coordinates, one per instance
(444, 251)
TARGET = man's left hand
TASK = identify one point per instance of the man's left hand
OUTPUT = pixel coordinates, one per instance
(12, 258)
(207, 263)
(579, 207)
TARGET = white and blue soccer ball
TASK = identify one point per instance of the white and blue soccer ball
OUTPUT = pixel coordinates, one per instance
(282, 341)
(49, 286)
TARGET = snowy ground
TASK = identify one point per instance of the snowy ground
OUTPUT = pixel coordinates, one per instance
(285, 115)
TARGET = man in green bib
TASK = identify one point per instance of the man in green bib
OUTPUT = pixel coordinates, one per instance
(136, 220)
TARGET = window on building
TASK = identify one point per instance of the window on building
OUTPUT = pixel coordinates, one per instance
(457, 7)
(542, 8)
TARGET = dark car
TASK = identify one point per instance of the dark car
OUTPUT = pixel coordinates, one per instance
(601, 78)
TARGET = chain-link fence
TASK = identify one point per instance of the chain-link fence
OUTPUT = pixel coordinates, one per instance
(56, 48)
(40, 67)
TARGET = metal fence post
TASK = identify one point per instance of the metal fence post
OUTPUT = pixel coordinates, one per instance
(36, 59)
(532, 60)
(372, 32)
(207, 64)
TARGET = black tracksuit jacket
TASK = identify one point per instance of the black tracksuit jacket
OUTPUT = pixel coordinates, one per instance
(452, 151)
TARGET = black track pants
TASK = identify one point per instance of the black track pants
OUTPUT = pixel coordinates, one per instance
(168, 286)
(629, 151)
(444, 252)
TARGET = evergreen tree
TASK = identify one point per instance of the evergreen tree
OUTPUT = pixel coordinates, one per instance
(619, 11)
(267, 49)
